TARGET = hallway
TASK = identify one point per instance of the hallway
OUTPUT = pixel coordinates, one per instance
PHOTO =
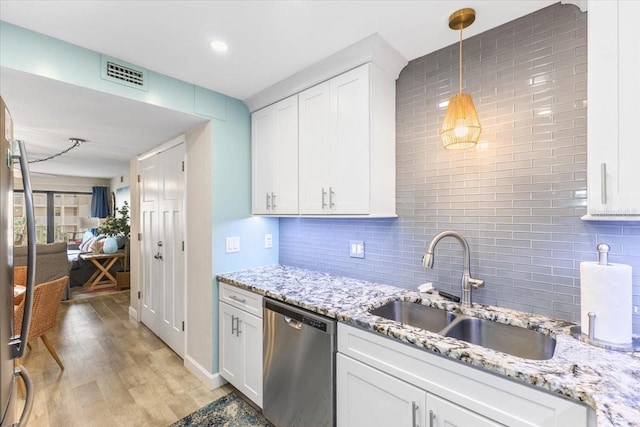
(117, 373)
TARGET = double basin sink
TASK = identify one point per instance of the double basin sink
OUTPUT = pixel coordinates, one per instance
(508, 339)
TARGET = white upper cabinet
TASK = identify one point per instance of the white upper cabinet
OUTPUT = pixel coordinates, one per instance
(335, 145)
(347, 145)
(613, 111)
(274, 153)
(345, 130)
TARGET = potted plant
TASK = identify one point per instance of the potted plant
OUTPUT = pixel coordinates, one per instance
(119, 226)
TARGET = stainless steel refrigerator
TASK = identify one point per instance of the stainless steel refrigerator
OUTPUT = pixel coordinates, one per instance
(12, 346)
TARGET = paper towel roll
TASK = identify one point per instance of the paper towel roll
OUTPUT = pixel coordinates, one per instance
(606, 291)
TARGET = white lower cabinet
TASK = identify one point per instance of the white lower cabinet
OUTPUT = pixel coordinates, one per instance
(444, 413)
(240, 353)
(368, 397)
(381, 382)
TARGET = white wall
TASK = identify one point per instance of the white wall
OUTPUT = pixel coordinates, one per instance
(198, 251)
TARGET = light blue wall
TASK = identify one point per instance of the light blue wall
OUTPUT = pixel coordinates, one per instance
(35, 53)
(232, 202)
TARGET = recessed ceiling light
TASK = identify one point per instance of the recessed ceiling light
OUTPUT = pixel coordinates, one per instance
(219, 46)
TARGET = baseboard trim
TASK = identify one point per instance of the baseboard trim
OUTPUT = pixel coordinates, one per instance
(213, 381)
(133, 313)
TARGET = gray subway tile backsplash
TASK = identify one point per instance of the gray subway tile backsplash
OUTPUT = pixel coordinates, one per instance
(518, 199)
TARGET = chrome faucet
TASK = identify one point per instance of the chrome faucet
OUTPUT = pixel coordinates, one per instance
(468, 282)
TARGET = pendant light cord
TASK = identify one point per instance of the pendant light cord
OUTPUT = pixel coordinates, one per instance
(76, 143)
(460, 60)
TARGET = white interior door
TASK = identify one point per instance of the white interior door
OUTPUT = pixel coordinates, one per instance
(162, 258)
(150, 273)
(171, 247)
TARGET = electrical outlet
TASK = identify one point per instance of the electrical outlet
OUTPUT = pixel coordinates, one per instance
(233, 244)
(356, 248)
(268, 241)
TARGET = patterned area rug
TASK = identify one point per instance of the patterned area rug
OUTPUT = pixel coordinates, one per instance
(229, 411)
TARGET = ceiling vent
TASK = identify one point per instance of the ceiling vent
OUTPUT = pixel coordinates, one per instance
(123, 73)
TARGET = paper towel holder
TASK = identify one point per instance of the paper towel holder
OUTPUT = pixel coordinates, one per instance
(589, 337)
(576, 332)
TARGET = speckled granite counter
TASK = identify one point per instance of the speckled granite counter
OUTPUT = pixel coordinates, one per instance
(607, 381)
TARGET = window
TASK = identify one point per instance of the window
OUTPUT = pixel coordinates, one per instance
(57, 216)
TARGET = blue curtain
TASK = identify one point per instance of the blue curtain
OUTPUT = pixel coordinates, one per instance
(99, 202)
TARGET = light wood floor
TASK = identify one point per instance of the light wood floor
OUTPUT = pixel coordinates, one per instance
(117, 373)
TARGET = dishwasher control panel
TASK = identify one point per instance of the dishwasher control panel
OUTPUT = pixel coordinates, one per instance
(297, 314)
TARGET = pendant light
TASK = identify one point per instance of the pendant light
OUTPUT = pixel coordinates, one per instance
(461, 126)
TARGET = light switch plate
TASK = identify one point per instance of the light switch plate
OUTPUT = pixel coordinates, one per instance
(356, 248)
(233, 244)
(268, 241)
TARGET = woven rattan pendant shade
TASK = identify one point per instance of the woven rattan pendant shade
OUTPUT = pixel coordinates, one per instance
(461, 126)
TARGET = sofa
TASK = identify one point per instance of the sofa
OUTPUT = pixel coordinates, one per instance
(51, 262)
(81, 270)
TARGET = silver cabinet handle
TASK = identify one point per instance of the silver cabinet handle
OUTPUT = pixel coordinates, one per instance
(273, 200)
(414, 409)
(432, 417)
(268, 201)
(238, 326)
(331, 193)
(603, 183)
(324, 193)
(233, 327)
(240, 300)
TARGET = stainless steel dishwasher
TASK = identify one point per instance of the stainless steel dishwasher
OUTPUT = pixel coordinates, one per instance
(299, 350)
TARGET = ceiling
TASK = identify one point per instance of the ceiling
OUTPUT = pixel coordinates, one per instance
(268, 41)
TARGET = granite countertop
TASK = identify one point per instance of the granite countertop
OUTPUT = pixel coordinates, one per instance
(607, 381)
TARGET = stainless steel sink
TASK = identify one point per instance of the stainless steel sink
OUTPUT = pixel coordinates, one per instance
(414, 314)
(508, 339)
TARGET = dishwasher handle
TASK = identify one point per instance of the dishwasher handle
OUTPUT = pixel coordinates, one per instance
(299, 317)
(293, 323)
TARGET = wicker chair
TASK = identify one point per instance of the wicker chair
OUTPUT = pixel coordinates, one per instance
(19, 278)
(20, 275)
(46, 302)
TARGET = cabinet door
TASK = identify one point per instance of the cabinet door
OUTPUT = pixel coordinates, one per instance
(230, 345)
(367, 397)
(274, 150)
(250, 332)
(350, 161)
(315, 140)
(614, 108)
(443, 413)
